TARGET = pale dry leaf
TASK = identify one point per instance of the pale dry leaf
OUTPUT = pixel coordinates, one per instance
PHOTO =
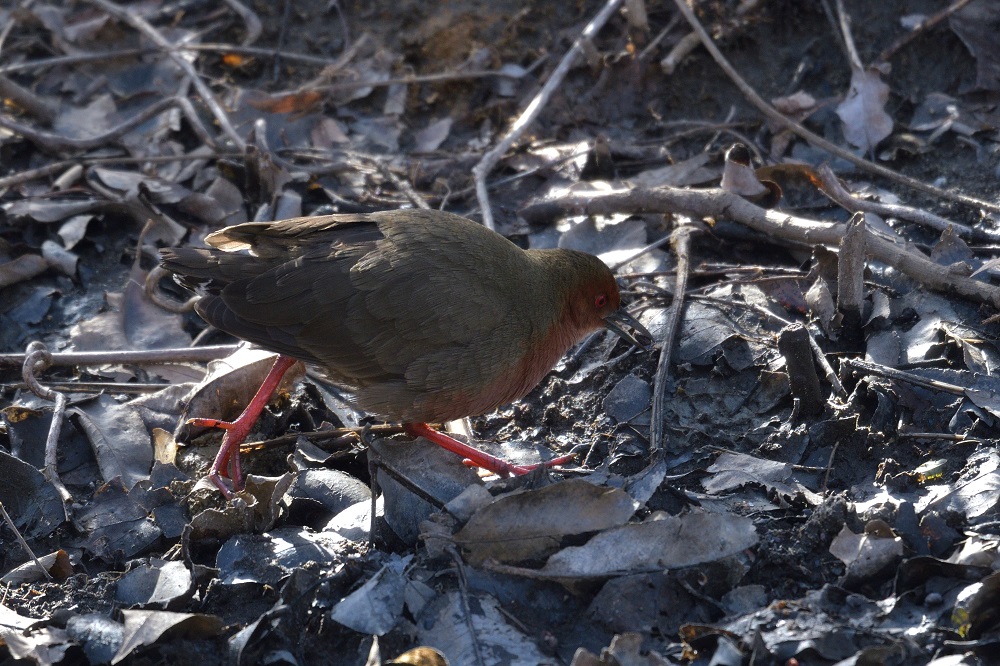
(863, 110)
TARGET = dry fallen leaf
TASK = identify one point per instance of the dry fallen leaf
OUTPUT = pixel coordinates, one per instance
(863, 110)
(532, 524)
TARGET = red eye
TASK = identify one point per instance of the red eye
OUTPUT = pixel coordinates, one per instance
(601, 300)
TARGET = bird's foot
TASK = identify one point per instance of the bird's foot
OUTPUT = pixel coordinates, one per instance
(473, 457)
(227, 462)
(510, 469)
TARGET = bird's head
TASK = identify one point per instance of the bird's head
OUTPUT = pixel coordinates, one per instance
(596, 303)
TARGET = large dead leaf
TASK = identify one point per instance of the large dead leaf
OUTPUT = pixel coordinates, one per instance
(119, 438)
(376, 606)
(533, 523)
(147, 627)
(863, 110)
(670, 542)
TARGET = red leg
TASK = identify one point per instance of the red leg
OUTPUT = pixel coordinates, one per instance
(227, 462)
(473, 457)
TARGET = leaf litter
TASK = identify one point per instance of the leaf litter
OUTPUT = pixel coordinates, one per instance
(865, 531)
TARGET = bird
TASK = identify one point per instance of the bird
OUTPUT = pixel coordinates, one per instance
(419, 316)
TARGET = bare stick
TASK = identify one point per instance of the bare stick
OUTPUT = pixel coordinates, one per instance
(24, 544)
(831, 186)
(57, 142)
(845, 31)
(36, 360)
(143, 357)
(37, 106)
(920, 29)
(903, 376)
(250, 20)
(490, 159)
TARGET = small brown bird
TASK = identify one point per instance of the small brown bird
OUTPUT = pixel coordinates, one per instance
(421, 316)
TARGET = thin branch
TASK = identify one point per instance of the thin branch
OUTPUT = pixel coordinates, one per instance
(844, 21)
(250, 20)
(37, 359)
(833, 188)
(24, 544)
(920, 29)
(58, 142)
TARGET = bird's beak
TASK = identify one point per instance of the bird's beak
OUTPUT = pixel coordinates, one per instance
(620, 322)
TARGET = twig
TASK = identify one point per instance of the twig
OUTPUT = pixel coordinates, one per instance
(56, 142)
(123, 54)
(27, 100)
(844, 22)
(491, 158)
(343, 21)
(152, 291)
(463, 591)
(655, 42)
(640, 253)
(76, 58)
(356, 433)
(37, 359)
(93, 387)
(681, 49)
(829, 467)
(132, 18)
(282, 34)
(681, 241)
(434, 77)
(437, 77)
(945, 436)
(775, 225)
(24, 544)
(5, 31)
(920, 29)
(250, 20)
(832, 187)
(903, 376)
(31, 174)
(401, 184)
(131, 357)
(56, 167)
(816, 140)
